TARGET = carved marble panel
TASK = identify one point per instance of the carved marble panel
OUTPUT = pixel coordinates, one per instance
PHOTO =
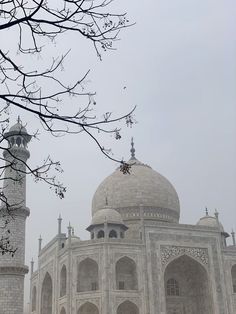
(119, 255)
(134, 300)
(82, 301)
(170, 252)
(81, 258)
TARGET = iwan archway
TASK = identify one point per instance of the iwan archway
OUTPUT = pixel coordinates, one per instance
(46, 295)
(127, 307)
(88, 308)
(187, 287)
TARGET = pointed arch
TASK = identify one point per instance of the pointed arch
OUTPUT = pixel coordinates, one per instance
(34, 299)
(18, 141)
(233, 276)
(63, 311)
(63, 279)
(88, 308)
(87, 277)
(112, 234)
(101, 234)
(46, 295)
(127, 307)
(187, 278)
(126, 274)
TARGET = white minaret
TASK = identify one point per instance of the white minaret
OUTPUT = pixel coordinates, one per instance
(13, 269)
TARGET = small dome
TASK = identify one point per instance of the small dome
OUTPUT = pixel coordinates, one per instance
(18, 128)
(210, 221)
(143, 187)
(74, 239)
(107, 215)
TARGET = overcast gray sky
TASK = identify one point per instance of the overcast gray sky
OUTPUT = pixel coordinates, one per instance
(178, 65)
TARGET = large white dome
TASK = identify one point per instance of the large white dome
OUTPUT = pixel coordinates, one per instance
(142, 190)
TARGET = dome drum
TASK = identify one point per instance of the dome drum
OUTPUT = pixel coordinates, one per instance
(148, 213)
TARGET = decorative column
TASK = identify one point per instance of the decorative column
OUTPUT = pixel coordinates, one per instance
(12, 268)
(233, 237)
(59, 224)
(40, 244)
(69, 271)
(31, 274)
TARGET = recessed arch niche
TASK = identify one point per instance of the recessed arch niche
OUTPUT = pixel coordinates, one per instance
(46, 295)
(34, 299)
(126, 274)
(233, 275)
(87, 279)
(127, 307)
(63, 311)
(63, 279)
(88, 308)
(190, 287)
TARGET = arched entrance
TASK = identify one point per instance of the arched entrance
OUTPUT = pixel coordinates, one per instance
(127, 307)
(63, 281)
(46, 295)
(126, 274)
(233, 275)
(88, 308)
(87, 275)
(34, 299)
(187, 287)
(63, 311)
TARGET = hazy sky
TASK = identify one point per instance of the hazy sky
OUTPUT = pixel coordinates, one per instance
(178, 65)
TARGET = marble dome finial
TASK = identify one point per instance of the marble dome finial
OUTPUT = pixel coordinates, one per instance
(132, 150)
(207, 214)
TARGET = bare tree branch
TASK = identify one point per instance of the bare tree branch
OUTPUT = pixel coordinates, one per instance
(42, 92)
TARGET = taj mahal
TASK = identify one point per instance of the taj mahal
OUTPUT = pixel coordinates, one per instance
(140, 258)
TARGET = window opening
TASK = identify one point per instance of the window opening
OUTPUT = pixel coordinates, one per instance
(172, 287)
(101, 234)
(121, 285)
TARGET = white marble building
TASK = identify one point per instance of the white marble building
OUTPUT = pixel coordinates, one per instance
(139, 260)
